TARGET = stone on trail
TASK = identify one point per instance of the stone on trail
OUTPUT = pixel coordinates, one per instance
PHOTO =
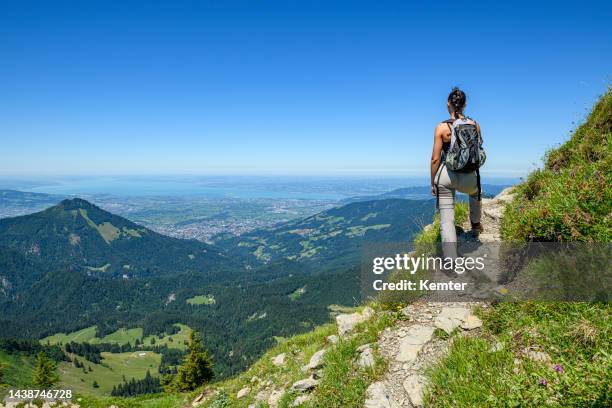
(316, 360)
(304, 385)
(347, 322)
(275, 398)
(495, 212)
(418, 334)
(279, 360)
(459, 313)
(243, 392)
(408, 352)
(377, 396)
(412, 343)
(414, 387)
(450, 318)
(471, 322)
(366, 358)
(488, 237)
(446, 323)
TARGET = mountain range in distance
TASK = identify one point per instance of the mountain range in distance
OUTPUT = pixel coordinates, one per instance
(421, 193)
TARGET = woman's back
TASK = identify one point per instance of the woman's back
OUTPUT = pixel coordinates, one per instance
(446, 181)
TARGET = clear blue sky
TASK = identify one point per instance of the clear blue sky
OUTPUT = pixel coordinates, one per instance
(300, 87)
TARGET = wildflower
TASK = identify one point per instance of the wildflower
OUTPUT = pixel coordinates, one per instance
(543, 382)
(559, 369)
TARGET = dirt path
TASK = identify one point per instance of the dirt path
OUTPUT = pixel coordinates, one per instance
(416, 343)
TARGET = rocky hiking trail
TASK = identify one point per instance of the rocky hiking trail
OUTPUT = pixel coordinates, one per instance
(412, 345)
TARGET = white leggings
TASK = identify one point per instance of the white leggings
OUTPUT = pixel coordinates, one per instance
(448, 181)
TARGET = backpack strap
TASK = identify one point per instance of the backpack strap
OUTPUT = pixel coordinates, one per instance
(478, 169)
(438, 184)
(449, 122)
(478, 182)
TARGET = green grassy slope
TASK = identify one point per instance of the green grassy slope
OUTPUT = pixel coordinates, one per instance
(123, 336)
(81, 336)
(495, 369)
(16, 370)
(570, 199)
(110, 372)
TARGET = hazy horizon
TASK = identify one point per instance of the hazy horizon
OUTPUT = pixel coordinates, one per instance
(224, 186)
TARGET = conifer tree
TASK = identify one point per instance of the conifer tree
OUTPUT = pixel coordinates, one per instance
(45, 371)
(196, 369)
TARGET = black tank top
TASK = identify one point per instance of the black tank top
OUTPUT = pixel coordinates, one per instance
(446, 145)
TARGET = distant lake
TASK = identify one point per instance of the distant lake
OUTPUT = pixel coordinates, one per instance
(245, 187)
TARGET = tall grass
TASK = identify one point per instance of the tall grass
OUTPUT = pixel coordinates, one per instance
(570, 199)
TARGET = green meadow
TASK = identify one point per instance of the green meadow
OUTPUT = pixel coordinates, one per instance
(110, 372)
(201, 300)
(113, 368)
(122, 336)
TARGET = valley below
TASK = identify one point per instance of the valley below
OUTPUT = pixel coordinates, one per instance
(127, 278)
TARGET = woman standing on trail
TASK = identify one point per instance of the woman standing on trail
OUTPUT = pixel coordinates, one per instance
(457, 155)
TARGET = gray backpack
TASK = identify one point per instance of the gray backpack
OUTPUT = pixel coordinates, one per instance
(465, 153)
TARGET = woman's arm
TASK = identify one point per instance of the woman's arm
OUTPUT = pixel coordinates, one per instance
(435, 157)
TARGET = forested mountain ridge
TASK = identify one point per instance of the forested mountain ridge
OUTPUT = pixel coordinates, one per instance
(335, 236)
(76, 233)
(420, 193)
(75, 265)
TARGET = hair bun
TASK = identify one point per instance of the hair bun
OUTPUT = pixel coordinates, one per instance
(457, 99)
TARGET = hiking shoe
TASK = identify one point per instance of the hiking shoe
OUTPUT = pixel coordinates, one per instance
(477, 228)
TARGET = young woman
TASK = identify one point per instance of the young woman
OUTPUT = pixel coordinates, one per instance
(445, 182)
